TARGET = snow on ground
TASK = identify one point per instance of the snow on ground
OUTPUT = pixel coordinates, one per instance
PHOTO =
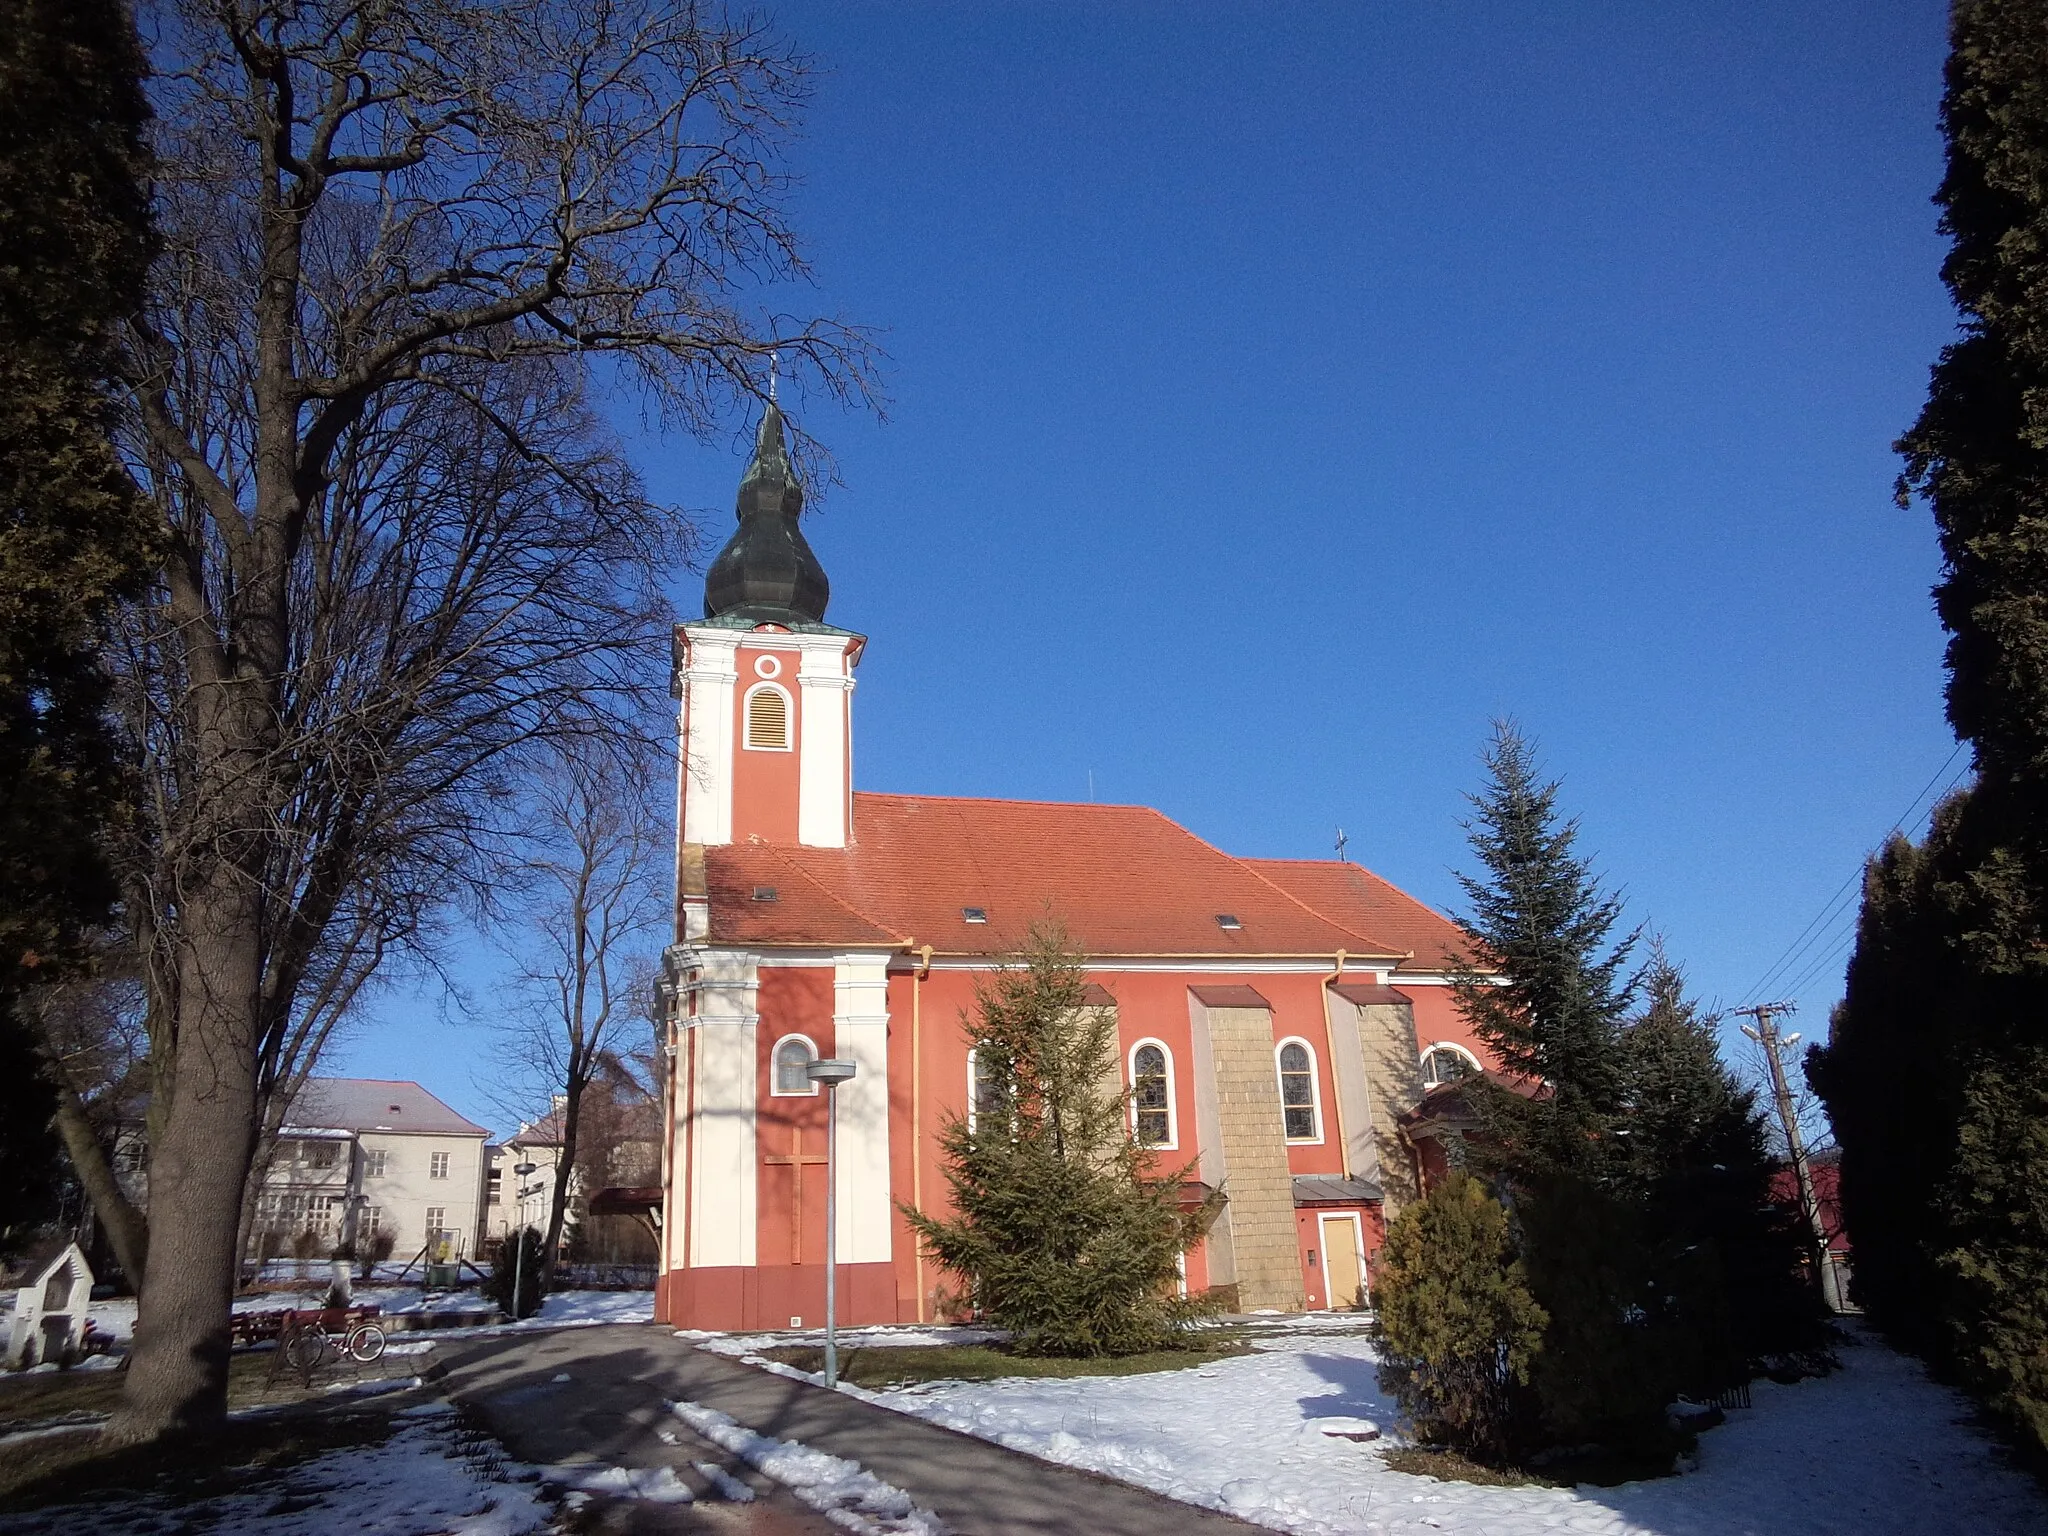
(420, 1482)
(1875, 1448)
(593, 1307)
(116, 1314)
(848, 1496)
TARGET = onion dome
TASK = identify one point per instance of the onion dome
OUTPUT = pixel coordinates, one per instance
(767, 573)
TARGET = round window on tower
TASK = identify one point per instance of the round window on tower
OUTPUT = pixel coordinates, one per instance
(767, 666)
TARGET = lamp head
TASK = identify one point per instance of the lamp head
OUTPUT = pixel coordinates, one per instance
(830, 1072)
(523, 1169)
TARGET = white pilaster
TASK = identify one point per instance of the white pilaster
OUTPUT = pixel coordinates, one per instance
(723, 1192)
(860, 1024)
(827, 696)
(708, 683)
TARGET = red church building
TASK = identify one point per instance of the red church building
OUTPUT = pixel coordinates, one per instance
(1277, 1019)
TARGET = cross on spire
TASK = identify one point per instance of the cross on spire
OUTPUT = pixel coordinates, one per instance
(774, 367)
(1342, 839)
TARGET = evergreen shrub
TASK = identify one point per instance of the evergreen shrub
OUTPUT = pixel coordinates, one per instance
(1457, 1327)
(506, 1264)
(1064, 1231)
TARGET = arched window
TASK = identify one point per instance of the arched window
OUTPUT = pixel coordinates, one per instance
(1152, 1095)
(767, 718)
(793, 1053)
(1446, 1063)
(1298, 1091)
(985, 1090)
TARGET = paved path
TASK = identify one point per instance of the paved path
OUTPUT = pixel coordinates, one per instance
(553, 1400)
(611, 1405)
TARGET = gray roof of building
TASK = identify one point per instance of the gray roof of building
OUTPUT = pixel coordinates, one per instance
(1321, 1189)
(375, 1104)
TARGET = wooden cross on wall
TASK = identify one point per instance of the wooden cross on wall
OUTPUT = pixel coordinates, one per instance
(795, 1163)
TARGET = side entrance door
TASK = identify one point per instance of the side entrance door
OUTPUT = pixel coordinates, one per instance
(1343, 1262)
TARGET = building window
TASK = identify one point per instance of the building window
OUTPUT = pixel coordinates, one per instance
(1447, 1063)
(1151, 1094)
(497, 1186)
(437, 1221)
(322, 1154)
(1298, 1091)
(985, 1089)
(793, 1053)
(374, 1164)
(370, 1222)
(767, 718)
(437, 1166)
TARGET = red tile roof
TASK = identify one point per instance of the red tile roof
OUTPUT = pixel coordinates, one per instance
(1360, 899)
(1123, 879)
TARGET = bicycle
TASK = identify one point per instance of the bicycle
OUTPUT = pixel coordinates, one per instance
(304, 1344)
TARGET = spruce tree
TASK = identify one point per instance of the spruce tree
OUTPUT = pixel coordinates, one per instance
(1546, 986)
(1062, 1230)
(1725, 1254)
(1940, 1097)
(1544, 983)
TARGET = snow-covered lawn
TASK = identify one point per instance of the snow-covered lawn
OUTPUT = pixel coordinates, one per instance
(422, 1481)
(116, 1314)
(1872, 1449)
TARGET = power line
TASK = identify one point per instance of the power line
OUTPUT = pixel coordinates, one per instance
(1831, 911)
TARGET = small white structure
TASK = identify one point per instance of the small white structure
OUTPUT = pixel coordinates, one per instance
(50, 1311)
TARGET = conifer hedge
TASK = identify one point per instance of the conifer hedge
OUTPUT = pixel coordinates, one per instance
(1936, 1068)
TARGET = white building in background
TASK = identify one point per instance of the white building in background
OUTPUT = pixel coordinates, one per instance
(358, 1156)
(524, 1202)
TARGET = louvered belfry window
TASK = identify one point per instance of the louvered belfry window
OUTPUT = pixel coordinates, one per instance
(768, 720)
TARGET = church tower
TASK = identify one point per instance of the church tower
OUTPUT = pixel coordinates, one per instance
(764, 685)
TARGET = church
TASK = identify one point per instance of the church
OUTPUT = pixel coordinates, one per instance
(1282, 1023)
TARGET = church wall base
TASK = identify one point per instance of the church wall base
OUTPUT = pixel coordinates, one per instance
(773, 1295)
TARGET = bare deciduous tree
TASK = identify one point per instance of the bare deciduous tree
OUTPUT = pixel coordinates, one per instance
(97, 1054)
(584, 960)
(403, 240)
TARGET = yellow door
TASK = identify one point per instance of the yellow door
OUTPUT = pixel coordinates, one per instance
(1341, 1277)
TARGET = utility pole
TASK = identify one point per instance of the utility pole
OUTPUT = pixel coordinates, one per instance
(1765, 1034)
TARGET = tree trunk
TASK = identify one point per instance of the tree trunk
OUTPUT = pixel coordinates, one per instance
(178, 1372)
(565, 1170)
(126, 1228)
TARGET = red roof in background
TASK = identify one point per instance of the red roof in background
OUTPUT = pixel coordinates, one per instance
(1360, 899)
(1124, 879)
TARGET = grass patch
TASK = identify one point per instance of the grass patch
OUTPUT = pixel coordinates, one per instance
(1452, 1467)
(27, 1400)
(880, 1366)
(1599, 1465)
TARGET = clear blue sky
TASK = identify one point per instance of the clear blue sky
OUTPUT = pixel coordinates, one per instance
(1278, 394)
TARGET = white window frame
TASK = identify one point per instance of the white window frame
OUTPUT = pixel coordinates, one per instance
(440, 1164)
(1315, 1091)
(437, 1221)
(1172, 1142)
(1450, 1045)
(376, 1162)
(747, 718)
(775, 1088)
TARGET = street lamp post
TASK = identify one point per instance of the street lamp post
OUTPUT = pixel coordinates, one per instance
(831, 1074)
(521, 1171)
